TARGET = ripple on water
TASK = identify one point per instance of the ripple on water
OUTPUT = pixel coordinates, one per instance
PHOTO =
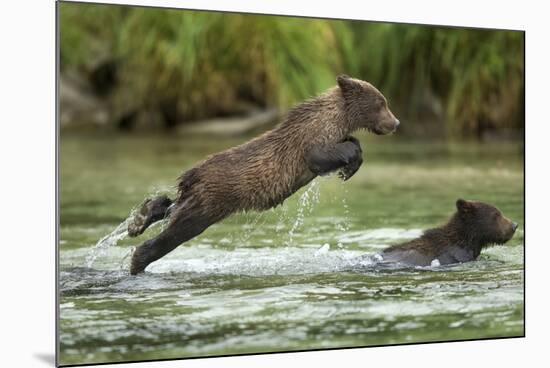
(209, 298)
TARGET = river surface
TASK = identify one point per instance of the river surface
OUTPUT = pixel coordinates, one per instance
(289, 278)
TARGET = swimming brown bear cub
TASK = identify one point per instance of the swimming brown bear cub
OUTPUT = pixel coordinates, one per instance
(474, 226)
(314, 139)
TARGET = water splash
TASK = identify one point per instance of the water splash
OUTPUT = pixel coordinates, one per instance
(121, 232)
(343, 224)
(251, 225)
(125, 261)
(100, 248)
(323, 250)
(282, 218)
(307, 201)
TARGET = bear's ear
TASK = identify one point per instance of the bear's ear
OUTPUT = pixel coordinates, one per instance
(464, 206)
(346, 83)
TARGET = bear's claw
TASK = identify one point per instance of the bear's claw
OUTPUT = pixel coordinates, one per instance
(140, 220)
(151, 211)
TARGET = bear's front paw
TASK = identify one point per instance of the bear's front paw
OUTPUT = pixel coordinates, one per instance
(347, 171)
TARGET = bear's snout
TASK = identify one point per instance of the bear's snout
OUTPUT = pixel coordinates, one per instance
(387, 124)
(510, 230)
(396, 124)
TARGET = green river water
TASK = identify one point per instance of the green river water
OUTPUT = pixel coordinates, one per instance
(289, 278)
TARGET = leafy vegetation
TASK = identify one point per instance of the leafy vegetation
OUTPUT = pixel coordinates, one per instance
(202, 64)
(478, 74)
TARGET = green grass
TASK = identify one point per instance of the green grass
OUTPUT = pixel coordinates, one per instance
(207, 64)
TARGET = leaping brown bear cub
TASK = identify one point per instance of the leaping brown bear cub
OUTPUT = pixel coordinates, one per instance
(314, 139)
(474, 226)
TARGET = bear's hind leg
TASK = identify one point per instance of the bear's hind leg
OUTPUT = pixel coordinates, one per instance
(151, 211)
(178, 231)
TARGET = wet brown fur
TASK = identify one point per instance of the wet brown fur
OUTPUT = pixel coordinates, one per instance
(263, 172)
(474, 226)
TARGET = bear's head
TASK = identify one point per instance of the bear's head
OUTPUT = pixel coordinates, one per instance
(483, 223)
(366, 107)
